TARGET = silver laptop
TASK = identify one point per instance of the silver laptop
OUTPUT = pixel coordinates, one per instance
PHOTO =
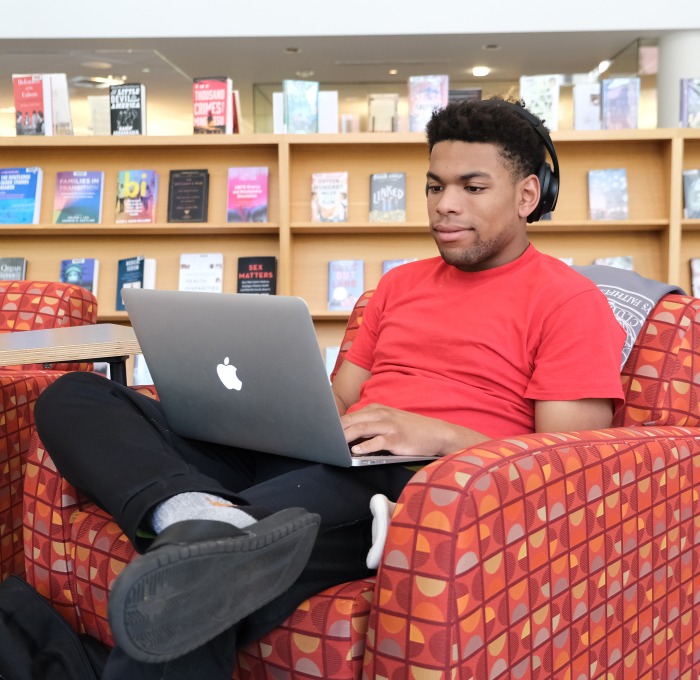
(242, 370)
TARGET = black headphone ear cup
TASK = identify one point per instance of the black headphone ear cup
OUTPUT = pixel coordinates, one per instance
(547, 183)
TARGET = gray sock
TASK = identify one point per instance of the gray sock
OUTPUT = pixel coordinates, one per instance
(198, 505)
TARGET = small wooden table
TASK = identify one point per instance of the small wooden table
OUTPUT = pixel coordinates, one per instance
(108, 342)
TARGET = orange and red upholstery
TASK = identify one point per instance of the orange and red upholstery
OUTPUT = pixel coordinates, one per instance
(570, 555)
(28, 305)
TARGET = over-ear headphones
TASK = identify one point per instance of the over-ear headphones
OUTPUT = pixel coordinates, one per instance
(549, 178)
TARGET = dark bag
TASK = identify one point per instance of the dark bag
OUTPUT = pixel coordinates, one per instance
(36, 642)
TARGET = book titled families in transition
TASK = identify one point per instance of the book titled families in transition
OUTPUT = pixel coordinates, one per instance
(607, 194)
(78, 197)
(201, 272)
(134, 272)
(188, 196)
(387, 197)
(257, 275)
(20, 195)
(346, 280)
(329, 197)
(137, 196)
(247, 194)
(13, 269)
(82, 272)
(127, 105)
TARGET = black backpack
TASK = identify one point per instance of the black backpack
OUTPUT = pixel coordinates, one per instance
(36, 642)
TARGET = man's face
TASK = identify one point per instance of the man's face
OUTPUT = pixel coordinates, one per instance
(477, 211)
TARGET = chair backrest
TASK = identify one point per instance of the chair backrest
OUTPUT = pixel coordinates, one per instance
(661, 378)
(35, 305)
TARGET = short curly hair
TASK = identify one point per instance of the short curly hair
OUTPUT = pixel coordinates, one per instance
(490, 121)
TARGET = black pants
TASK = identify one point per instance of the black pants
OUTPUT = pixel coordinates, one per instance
(115, 445)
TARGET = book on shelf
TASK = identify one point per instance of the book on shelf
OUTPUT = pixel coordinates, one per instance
(695, 276)
(81, 272)
(382, 112)
(20, 195)
(257, 275)
(619, 103)
(425, 94)
(331, 357)
(134, 272)
(468, 94)
(329, 196)
(607, 194)
(541, 96)
(300, 105)
(13, 268)
(201, 272)
(586, 98)
(328, 111)
(188, 196)
(247, 194)
(100, 115)
(387, 197)
(619, 261)
(346, 280)
(691, 194)
(78, 197)
(690, 103)
(388, 265)
(212, 102)
(137, 196)
(237, 117)
(42, 104)
(278, 113)
(127, 107)
(349, 122)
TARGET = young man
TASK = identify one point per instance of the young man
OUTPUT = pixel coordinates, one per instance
(490, 339)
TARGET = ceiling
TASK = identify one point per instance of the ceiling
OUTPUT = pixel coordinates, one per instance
(167, 65)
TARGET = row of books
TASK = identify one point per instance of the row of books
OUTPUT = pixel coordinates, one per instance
(78, 196)
(610, 104)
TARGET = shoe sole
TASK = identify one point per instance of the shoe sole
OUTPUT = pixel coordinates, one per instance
(175, 599)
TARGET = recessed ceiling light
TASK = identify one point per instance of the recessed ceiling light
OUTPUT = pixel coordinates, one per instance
(480, 71)
(393, 71)
(491, 47)
(292, 50)
(304, 74)
(96, 64)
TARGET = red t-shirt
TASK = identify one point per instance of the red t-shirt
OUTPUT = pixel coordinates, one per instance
(479, 348)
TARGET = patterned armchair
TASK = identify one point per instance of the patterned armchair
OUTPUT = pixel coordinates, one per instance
(28, 305)
(568, 555)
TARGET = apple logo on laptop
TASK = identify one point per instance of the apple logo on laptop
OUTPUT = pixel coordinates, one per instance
(228, 375)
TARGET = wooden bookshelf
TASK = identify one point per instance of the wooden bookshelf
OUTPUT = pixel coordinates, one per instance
(656, 234)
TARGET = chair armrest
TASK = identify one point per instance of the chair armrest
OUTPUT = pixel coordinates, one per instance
(572, 553)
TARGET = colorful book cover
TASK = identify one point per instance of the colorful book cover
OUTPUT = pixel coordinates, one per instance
(247, 194)
(137, 196)
(78, 197)
(257, 275)
(82, 272)
(425, 94)
(619, 104)
(387, 197)
(203, 272)
(20, 195)
(32, 105)
(13, 269)
(690, 103)
(134, 272)
(300, 105)
(346, 281)
(388, 265)
(619, 261)
(188, 196)
(691, 194)
(607, 194)
(212, 100)
(541, 96)
(127, 105)
(329, 197)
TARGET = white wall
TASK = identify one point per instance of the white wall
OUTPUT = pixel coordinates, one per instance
(173, 18)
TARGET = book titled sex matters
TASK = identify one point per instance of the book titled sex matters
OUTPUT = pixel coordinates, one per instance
(188, 196)
(257, 275)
